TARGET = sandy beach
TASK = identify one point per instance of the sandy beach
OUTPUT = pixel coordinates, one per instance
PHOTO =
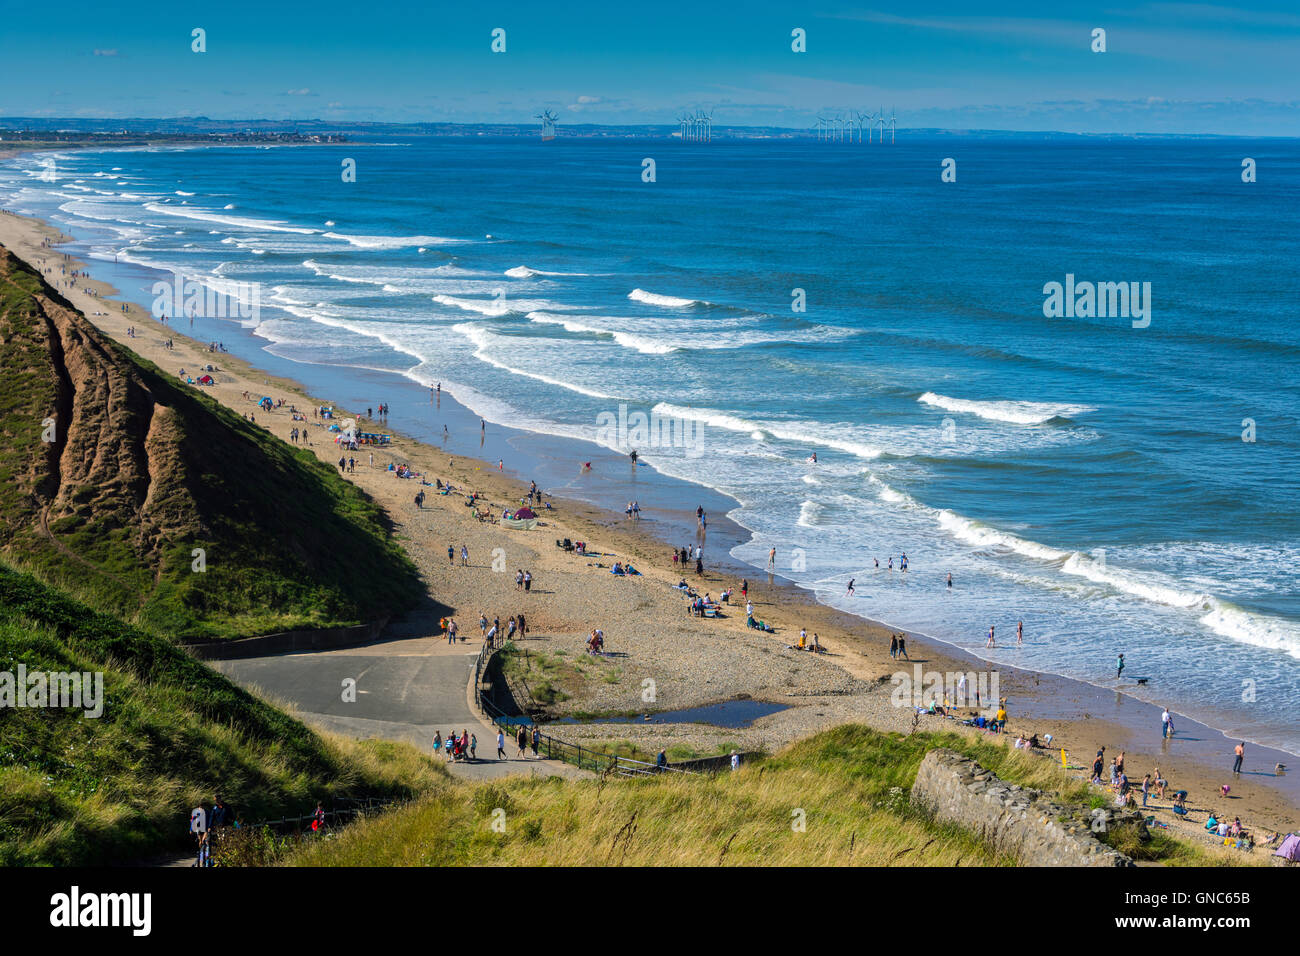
(649, 635)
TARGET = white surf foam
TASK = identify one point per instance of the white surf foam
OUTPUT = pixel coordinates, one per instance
(237, 221)
(667, 301)
(1018, 413)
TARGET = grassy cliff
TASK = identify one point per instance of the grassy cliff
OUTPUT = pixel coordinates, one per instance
(79, 790)
(115, 473)
(839, 798)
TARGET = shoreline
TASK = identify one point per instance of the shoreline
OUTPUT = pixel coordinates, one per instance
(1069, 707)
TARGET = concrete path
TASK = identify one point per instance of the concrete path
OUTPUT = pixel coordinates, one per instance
(406, 689)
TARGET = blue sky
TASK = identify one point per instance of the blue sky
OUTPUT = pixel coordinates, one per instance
(1169, 67)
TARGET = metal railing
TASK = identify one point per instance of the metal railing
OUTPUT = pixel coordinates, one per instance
(552, 747)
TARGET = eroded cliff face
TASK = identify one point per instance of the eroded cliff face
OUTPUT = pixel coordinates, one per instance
(99, 458)
(112, 473)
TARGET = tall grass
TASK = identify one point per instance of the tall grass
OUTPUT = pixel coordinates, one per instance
(78, 790)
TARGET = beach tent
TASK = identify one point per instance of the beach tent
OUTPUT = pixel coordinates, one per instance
(1290, 848)
(520, 521)
(205, 379)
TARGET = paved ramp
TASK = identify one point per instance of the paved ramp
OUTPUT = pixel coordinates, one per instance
(404, 690)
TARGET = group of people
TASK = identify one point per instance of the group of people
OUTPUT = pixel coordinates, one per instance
(682, 557)
(523, 737)
(516, 626)
(815, 646)
(464, 747)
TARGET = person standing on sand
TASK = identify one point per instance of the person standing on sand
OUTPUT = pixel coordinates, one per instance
(1240, 751)
(528, 581)
(1164, 724)
(451, 555)
(464, 556)
(893, 645)
(902, 647)
(771, 559)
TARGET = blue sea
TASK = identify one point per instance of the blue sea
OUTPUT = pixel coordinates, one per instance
(1118, 483)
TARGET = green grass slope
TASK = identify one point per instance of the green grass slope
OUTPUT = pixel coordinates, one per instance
(144, 469)
(78, 790)
(838, 798)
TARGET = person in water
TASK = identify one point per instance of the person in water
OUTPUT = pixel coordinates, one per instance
(1119, 666)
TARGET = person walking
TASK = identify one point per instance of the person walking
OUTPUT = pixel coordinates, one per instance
(893, 645)
(473, 746)
(537, 739)
(902, 647)
(1164, 724)
(521, 740)
(501, 744)
(464, 556)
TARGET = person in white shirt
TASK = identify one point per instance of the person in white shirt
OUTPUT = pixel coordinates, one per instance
(501, 745)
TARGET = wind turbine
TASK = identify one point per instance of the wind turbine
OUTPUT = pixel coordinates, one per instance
(548, 124)
(708, 126)
(892, 120)
(821, 127)
(880, 123)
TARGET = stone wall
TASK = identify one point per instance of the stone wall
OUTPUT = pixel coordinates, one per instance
(1024, 823)
(287, 642)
